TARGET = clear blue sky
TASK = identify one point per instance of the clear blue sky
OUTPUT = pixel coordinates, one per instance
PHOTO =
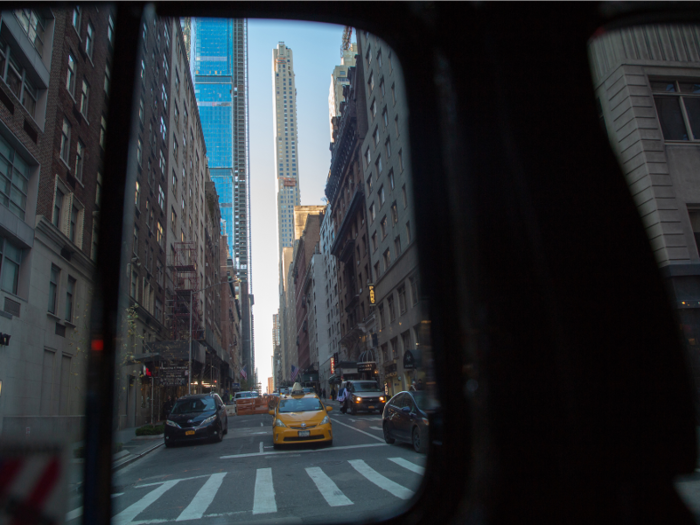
(316, 50)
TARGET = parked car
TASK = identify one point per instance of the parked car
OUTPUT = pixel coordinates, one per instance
(301, 418)
(197, 417)
(405, 418)
(365, 395)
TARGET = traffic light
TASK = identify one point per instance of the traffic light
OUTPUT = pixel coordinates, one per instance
(147, 371)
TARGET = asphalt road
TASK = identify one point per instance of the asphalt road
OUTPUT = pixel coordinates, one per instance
(243, 479)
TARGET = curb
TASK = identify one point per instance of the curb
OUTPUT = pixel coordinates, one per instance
(134, 457)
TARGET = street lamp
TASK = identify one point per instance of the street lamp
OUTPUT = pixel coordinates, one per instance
(189, 364)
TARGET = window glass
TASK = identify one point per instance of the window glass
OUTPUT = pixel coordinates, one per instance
(671, 118)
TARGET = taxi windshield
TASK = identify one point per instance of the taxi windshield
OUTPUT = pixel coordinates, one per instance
(304, 404)
(365, 386)
(188, 406)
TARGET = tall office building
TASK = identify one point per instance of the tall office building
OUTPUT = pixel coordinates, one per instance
(219, 63)
(339, 78)
(286, 143)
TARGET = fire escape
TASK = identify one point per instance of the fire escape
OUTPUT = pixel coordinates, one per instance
(183, 282)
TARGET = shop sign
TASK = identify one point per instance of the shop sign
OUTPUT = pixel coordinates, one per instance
(366, 366)
(332, 365)
(372, 297)
(409, 362)
(390, 370)
(172, 375)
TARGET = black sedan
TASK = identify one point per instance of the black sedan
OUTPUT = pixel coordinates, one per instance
(405, 418)
(196, 418)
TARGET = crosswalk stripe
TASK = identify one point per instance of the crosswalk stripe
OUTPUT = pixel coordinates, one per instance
(407, 464)
(128, 514)
(328, 489)
(380, 481)
(264, 500)
(200, 503)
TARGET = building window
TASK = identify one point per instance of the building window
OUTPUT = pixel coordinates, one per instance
(371, 213)
(14, 180)
(165, 97)
(369, 184)
(34, 26)
(375, 242)
(387, 147)
(174, 182)
(162, 163)
(103, 131)
(79, 161)
(98, 190)
(137, 195)
(385, 118)
(408, 232)
(404, 196)
(77, 15)
(381, 196)
(163, 128)
(371, 82)
(73, 227)
(375, 136)
(175, 149)
(139, 152)
(173, 219)
(143, 69)
(11, 261)
(392, 309)
(57, 204)
(53, 288)
(373, 109)
(151, 216)
(376, 270)
(158, 310)
(400, 161)
(402, 302)
(379, 165)
(90, 40)
(70, 292)
(142, 110)
(368, 158)
(161, 197)
(397, 245)
(678, 108)
(70, 75)
(394, 213)
(384, 228)
(382, 322)
(368, 55)
(160, 238)
(382, 88)
(387, 259)
(134, 284)
(414, 290)
(396, 124)
(110, 31)
(393, 95)
(65, 140)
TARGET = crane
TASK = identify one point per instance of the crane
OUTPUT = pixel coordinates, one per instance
(347, 34)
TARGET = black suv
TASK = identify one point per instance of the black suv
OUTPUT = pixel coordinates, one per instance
(195, 418)
(365, 395)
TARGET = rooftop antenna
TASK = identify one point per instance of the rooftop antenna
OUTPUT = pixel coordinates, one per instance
(347, 35)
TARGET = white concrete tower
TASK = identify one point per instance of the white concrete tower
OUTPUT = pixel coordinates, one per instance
(286, 143)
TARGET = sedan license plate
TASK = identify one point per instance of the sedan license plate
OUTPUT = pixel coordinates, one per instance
(189, 433)
(303, 433)
(370, 407)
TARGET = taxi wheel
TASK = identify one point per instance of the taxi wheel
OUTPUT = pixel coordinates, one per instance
(387, 437)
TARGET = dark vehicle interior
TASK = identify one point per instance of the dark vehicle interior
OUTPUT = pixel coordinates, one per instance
(542, 287)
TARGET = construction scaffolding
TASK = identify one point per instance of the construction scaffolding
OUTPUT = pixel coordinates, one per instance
(183, 284)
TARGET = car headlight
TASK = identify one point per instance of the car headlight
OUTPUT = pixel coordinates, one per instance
(278, 423)
(172, 424)
(381, 398)
(358, 400)
(326, 420)
(208, 420)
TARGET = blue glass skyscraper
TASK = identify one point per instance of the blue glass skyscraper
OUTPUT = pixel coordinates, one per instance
(219, 64)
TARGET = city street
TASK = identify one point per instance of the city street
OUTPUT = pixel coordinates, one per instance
(244, 478)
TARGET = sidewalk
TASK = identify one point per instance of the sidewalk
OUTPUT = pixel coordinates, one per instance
(133, 448)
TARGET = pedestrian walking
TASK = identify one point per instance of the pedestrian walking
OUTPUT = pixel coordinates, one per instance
(332, 393)
(342, 393)
(168, 407)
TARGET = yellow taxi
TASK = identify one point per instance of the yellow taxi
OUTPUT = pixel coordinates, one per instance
(301, 418)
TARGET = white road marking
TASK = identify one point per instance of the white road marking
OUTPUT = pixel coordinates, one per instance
(76, 513)
(360, 431)
(307, 451)
(261, 423)
(128, 514)
(200, 503)
(261, 447)
(264, 500)
(375, 428)
(328, 489)
(164, 481)
(380, 481)
(407, 464)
